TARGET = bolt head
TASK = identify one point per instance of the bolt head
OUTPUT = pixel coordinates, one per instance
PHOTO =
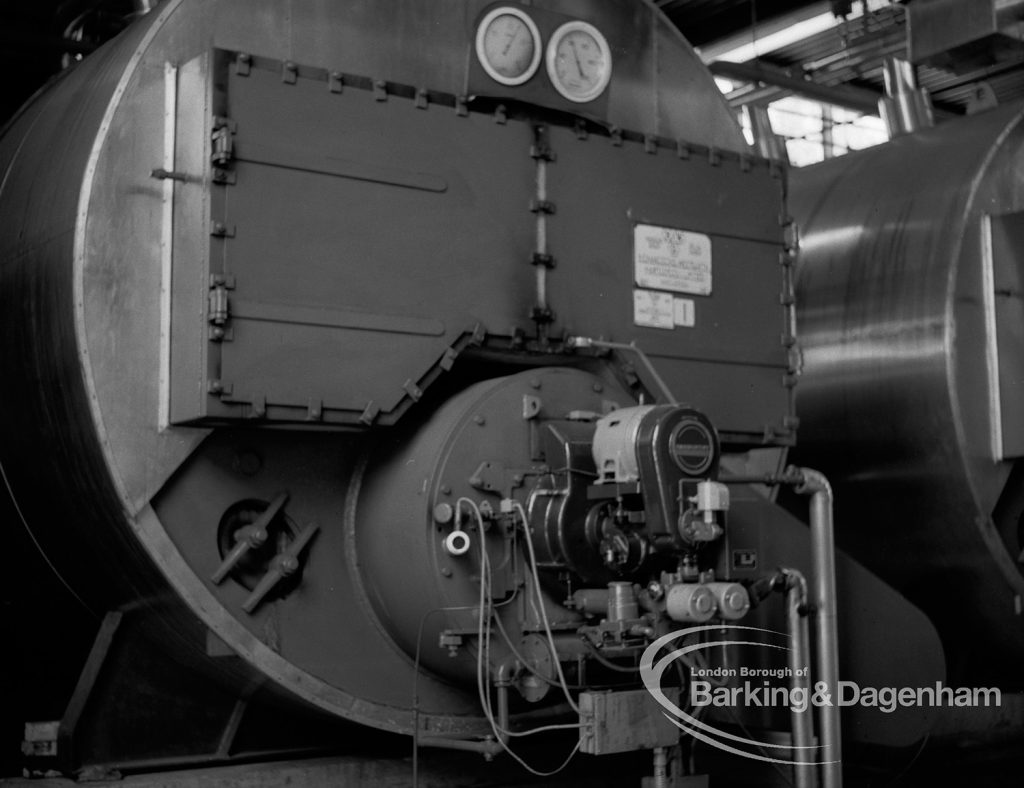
(288, 565)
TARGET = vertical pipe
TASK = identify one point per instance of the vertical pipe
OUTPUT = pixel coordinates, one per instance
(660, 767)
(167, 241)
(769, 144)
(906, 107)
(799, 660)
(890, 117)
(828, 142)
(503, 716)
(542, 235)
(815, 484)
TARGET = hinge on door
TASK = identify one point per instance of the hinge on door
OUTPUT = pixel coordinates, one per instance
(223, 147)
(218, 307)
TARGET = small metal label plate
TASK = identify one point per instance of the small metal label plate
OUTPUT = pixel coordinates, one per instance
(684, 312)
(665, 258)
(744, 560)
(652, 309)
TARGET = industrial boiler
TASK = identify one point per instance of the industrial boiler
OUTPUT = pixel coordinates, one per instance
(425, 367)
(910, 319)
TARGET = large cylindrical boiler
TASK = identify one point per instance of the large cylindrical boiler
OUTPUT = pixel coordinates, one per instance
(910, 320)
(247, 247)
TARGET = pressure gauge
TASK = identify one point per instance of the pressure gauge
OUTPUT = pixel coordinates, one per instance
(508, 45)
(579, 61)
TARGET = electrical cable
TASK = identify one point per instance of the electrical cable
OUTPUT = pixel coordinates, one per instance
(523, 661)
(415, 689)
(483, 660)
(569, 726)
(39, 547)
(543, 611)
(917, 755)
(735, 718)
(419, 644)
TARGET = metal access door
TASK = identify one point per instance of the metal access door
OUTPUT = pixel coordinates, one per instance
(342, 245)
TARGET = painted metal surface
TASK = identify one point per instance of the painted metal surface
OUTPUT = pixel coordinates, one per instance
(90, 242)
(898, 306)
(99, 298)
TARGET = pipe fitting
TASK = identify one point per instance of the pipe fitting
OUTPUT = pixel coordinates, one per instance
(809, 482)
(457, 543)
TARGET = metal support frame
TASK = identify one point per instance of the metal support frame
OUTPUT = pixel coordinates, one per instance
(84, 690)
(631, 347)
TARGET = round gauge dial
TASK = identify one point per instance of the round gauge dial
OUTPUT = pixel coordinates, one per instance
(508, 45)
(579, 61)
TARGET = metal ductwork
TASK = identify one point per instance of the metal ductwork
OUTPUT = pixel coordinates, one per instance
(964, 35)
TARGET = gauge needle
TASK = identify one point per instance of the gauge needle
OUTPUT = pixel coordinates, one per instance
(508, 44)
(576, 55)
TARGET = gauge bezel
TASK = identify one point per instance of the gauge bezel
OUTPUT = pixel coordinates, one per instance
(552, 57)
(481, 52)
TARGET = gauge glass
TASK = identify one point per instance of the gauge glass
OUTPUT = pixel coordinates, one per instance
(579, 61)
(508, 45)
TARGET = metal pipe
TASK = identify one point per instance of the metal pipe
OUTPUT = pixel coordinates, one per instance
(791, 476)
(816, 485)
(769, 144)
(799, 660)
(857, 99)
(503, 717)
(906, 108)
(541, 270)
(660, 767)
(488, 748)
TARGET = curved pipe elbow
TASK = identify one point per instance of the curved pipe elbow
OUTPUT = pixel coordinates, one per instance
(810, 481)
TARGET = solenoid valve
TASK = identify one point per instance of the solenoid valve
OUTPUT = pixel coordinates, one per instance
(690, 603)
(711, 497)
(700, 602)
(699, 522)
(731, 599)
